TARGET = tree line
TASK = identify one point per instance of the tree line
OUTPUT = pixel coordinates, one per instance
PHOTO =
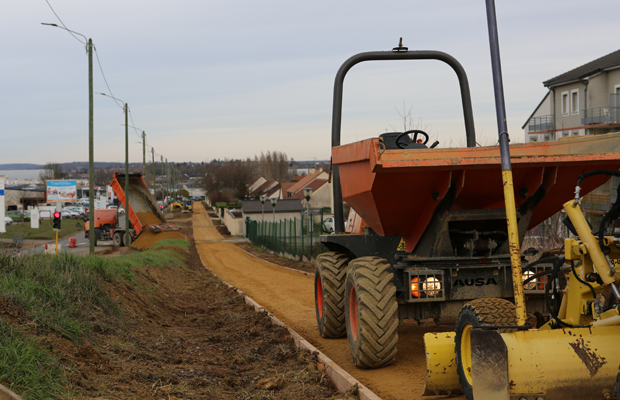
(226, 181)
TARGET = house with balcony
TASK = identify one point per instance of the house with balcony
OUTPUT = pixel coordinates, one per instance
(582, 101)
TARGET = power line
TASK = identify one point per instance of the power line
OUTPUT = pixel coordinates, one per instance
(134, 125)
(116, 101)
(63, 24)
(104, 78)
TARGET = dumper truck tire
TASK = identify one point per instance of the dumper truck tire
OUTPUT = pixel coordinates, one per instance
(479, 312)
(329, 277)
(117, 239)
(371, 312)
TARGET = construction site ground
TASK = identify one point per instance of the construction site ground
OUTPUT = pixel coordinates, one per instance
(183, 335)
(187, 335)
(289, 295)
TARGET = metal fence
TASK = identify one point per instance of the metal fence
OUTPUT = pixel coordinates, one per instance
(294, 238)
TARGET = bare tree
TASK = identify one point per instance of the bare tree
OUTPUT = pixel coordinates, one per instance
(408, 121)
(103, 177)
(273, 165)
(51, 171)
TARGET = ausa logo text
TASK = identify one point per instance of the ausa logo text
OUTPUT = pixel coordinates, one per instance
(474, 282)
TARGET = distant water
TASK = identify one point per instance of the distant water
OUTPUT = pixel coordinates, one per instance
(21, 173)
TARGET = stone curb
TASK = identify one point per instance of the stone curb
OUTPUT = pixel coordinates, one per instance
(6, 394)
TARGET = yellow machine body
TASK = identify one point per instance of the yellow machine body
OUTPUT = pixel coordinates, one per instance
(553, 362)
(566, 364)
(441, 376)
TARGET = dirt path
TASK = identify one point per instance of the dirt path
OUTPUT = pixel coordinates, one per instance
(289, 295)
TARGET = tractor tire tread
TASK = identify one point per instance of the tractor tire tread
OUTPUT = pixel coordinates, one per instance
(377, 312)
(481, 312)
(331, 267)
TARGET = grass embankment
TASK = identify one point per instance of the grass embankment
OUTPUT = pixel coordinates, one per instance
(63, 295)
(45, 231)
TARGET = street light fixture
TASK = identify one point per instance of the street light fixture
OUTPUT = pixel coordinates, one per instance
(126, 109)
(91, 153)
(307, 194)
(274, 200)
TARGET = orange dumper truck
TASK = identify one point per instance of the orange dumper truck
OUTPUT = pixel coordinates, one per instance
(143, 210)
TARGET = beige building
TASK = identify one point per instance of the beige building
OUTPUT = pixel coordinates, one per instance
(582, 101)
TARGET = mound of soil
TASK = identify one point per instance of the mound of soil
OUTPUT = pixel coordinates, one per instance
(186, 335)
(147, 238)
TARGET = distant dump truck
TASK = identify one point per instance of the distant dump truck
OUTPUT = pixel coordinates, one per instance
(143, 210)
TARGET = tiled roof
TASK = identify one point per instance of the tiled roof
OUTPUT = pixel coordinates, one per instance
(264, 187)
(610, 60)
(314, 185)
(304, 182)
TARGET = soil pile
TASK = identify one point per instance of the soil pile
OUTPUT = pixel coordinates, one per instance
(148, 218)
(147, 238)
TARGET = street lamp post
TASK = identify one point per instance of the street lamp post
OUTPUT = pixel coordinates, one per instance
(91, 152)
(273, 204)
(154, 186)
(143, 153)
(262, 202)
(307, 194)
(127, 239)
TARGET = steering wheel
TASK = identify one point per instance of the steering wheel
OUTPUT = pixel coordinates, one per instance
(415, 137)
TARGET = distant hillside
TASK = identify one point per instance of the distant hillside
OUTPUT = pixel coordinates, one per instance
(20, 166)
(67, 166)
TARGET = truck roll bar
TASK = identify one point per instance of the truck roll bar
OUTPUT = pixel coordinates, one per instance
(397, 54)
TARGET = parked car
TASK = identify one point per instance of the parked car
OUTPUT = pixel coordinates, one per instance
(66, 213)
(328, 225)
(18, 215)
(76, 209)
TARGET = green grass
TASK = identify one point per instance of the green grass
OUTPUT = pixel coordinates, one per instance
(182, 243)
(64, 294)
(27, 368)
(59, 293)
(45, 231)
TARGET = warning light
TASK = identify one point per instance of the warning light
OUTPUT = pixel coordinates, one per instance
(56, 221)
(415, 287)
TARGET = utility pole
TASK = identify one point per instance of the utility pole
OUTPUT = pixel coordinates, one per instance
(127, 234)
(161, 178)
(91, 125)
(91, 152)
(143, 153)
(154, 187)
(167, 176)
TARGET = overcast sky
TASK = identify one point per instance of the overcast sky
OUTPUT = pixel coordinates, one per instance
(231, 79)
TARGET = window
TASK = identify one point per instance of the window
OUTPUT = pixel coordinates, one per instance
(565, 134)
(534, 138)
(574, 99)
(564, 103)
(575, 133)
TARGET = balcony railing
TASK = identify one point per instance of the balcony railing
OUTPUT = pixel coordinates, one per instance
(603, 115)
(598, 115)
(542, 123)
